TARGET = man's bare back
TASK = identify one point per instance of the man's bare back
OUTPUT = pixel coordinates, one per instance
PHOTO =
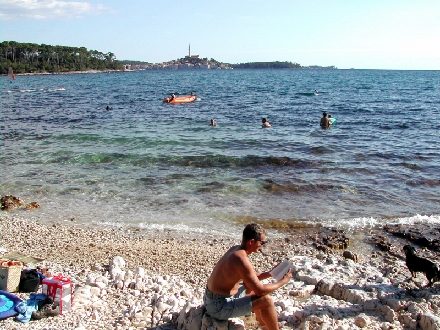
(225, 276)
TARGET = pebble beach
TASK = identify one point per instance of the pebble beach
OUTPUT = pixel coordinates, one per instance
(166, 272)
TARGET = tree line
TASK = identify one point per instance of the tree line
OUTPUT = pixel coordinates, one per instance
(34, 58)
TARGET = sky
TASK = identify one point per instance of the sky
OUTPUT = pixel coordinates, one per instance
(373, 34)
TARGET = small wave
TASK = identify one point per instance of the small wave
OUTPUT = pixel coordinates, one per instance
(228, 161)
(427, 182)
(21, 90)
(306, 93)
(274, 188)
(411, 166)
(168, 227)
(370, 222)
(320, 150)
(433, 219)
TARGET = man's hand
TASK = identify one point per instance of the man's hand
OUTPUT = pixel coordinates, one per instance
(286, 278)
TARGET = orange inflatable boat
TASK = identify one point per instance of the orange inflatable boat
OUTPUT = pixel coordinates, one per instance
(180, 99)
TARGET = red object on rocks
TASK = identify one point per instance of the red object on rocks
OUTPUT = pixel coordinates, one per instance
(60, 289)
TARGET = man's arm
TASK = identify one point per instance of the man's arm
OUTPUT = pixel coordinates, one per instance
(263, 275)
(252, 280)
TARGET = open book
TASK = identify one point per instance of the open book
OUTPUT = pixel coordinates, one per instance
(279, 271)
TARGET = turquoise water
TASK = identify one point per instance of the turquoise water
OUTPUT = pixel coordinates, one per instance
(154, 165)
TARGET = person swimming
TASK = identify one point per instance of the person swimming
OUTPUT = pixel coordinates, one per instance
(213, 123)
(265, 123)
(324, 123)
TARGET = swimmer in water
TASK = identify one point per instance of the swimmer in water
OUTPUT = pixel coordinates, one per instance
(265, 123)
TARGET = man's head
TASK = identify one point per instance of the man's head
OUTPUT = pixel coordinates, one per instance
(324, 114)
(253, 231)
(253, 238)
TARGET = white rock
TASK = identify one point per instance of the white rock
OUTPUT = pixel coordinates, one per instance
(236, 324)
(140, 272)
(118, 261)
(101, 279)
(429, 322)
(95, 315)
(185, 293)
(129, 275)
(95, 291)
(139, 285)
(90, 280)
(362, 321)
(119, 284)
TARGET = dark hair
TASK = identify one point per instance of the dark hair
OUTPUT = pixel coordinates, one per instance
(253, 231)
(324, 114)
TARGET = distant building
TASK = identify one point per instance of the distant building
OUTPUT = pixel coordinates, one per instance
(189, 53)
(185, 66)
(187, 63)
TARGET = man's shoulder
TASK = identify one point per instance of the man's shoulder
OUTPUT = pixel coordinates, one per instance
(237, 255)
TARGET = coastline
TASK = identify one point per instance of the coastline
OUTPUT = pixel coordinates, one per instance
(327, 289)
(68, 72)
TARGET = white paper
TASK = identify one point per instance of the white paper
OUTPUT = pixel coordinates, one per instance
(279, 271)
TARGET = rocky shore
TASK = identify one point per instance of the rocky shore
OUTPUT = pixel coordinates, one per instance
(341, 281)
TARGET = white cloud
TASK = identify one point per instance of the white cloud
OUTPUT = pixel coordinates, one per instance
(47, 9)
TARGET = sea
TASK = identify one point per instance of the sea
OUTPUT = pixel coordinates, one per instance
(152, 165)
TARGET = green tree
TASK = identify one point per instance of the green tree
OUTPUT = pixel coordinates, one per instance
(30, 57)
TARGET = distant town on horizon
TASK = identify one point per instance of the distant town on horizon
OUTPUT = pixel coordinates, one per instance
(25, 58)
(195, 62)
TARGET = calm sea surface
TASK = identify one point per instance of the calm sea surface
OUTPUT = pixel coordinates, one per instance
(153, 165)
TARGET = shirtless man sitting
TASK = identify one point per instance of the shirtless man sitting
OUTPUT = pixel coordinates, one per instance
(226, 297)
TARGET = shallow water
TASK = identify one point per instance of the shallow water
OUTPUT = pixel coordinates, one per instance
(154, 165)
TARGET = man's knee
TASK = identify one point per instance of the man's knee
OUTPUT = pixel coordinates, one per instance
(268, 300)
(262, 302)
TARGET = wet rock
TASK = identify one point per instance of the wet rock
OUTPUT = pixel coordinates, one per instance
(350, 255)
(381, 243)
(422, 234)
(9, 202)
(32, 206)
(331, 238)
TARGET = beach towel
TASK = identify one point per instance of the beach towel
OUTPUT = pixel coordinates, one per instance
(8, 302)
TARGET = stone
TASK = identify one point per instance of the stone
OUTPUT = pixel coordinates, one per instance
(407, 320)
(9, 202)
(423, 234)
(362, 321)
(118, 262)
(350, 255)
(429, 322)
(303, 292)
